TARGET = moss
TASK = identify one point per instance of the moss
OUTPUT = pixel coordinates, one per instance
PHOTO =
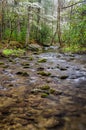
(42, 60)
(31, 58)
(52, 91)
(44, 73)
(44, 95)
(25, 64)
(16, 52)
(45, 87)
(1, 63)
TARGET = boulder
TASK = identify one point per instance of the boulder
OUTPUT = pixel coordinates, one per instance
(34, 47)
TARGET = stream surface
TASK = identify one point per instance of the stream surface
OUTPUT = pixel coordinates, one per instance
(26, 103)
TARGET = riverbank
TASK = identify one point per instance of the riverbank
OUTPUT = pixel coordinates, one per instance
(74, 49)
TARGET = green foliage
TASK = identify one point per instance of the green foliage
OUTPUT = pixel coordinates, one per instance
(76, 33)
(44, 34)
(41, 34)
(15, 36)
(6, 34)
(74, 48)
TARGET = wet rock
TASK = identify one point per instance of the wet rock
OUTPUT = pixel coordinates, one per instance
(84, 66)
(26, 67)
(44, 95)
(5, 66)
(52, 91)
(25, 63)
(40, 69)
(64, 76)
(51, 123)
(31, 58)
(42, 60)
(43, 73)
(22, 73)
(62, 68)
(59, 55)
(1, 63)
(45, 87)
(34, 47)
(58, 92)
(36, 90)
(71, 55)
(1, 54)
(66, 100)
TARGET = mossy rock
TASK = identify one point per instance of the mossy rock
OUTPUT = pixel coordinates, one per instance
(31, 58)
(62, 68)
(34, 47)
(13, 52)
(1, 63)
(11, 60)
(35, 91)
(43, 73)
(22, 73)
(5, 66)
(52, 91)
(63, 77)
(45, 87)
(44, 95)
(26, 67)
(40, 68)
(42, 60)
(25, 64)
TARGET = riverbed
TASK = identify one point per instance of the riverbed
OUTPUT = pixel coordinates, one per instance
(45, 91)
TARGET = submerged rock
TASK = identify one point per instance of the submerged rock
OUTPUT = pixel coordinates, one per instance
(44, 95)
(45, 87)
(43, 73)
(42, 60)
(1, 63)
(63, 76)
(22, 73)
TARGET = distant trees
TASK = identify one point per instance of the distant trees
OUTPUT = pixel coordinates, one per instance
(75, 33)
(23, 21)
(43, 21)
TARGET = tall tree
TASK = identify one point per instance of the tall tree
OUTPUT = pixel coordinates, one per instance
(28, 26)
(59, 22)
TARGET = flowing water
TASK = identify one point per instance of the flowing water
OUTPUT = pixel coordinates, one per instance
(26, 105)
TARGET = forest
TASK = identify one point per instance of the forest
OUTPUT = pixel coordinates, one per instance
(44, 22)
(42, 64)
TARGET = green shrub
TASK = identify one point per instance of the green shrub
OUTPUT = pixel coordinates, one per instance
(75, 34)
(41, 35)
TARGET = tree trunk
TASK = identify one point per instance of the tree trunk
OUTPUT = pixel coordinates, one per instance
(2, 19)
(59, 23)
(38, 20)
(28, 27)
(18, 26)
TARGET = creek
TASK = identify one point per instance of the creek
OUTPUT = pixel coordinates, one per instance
(45, 91)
